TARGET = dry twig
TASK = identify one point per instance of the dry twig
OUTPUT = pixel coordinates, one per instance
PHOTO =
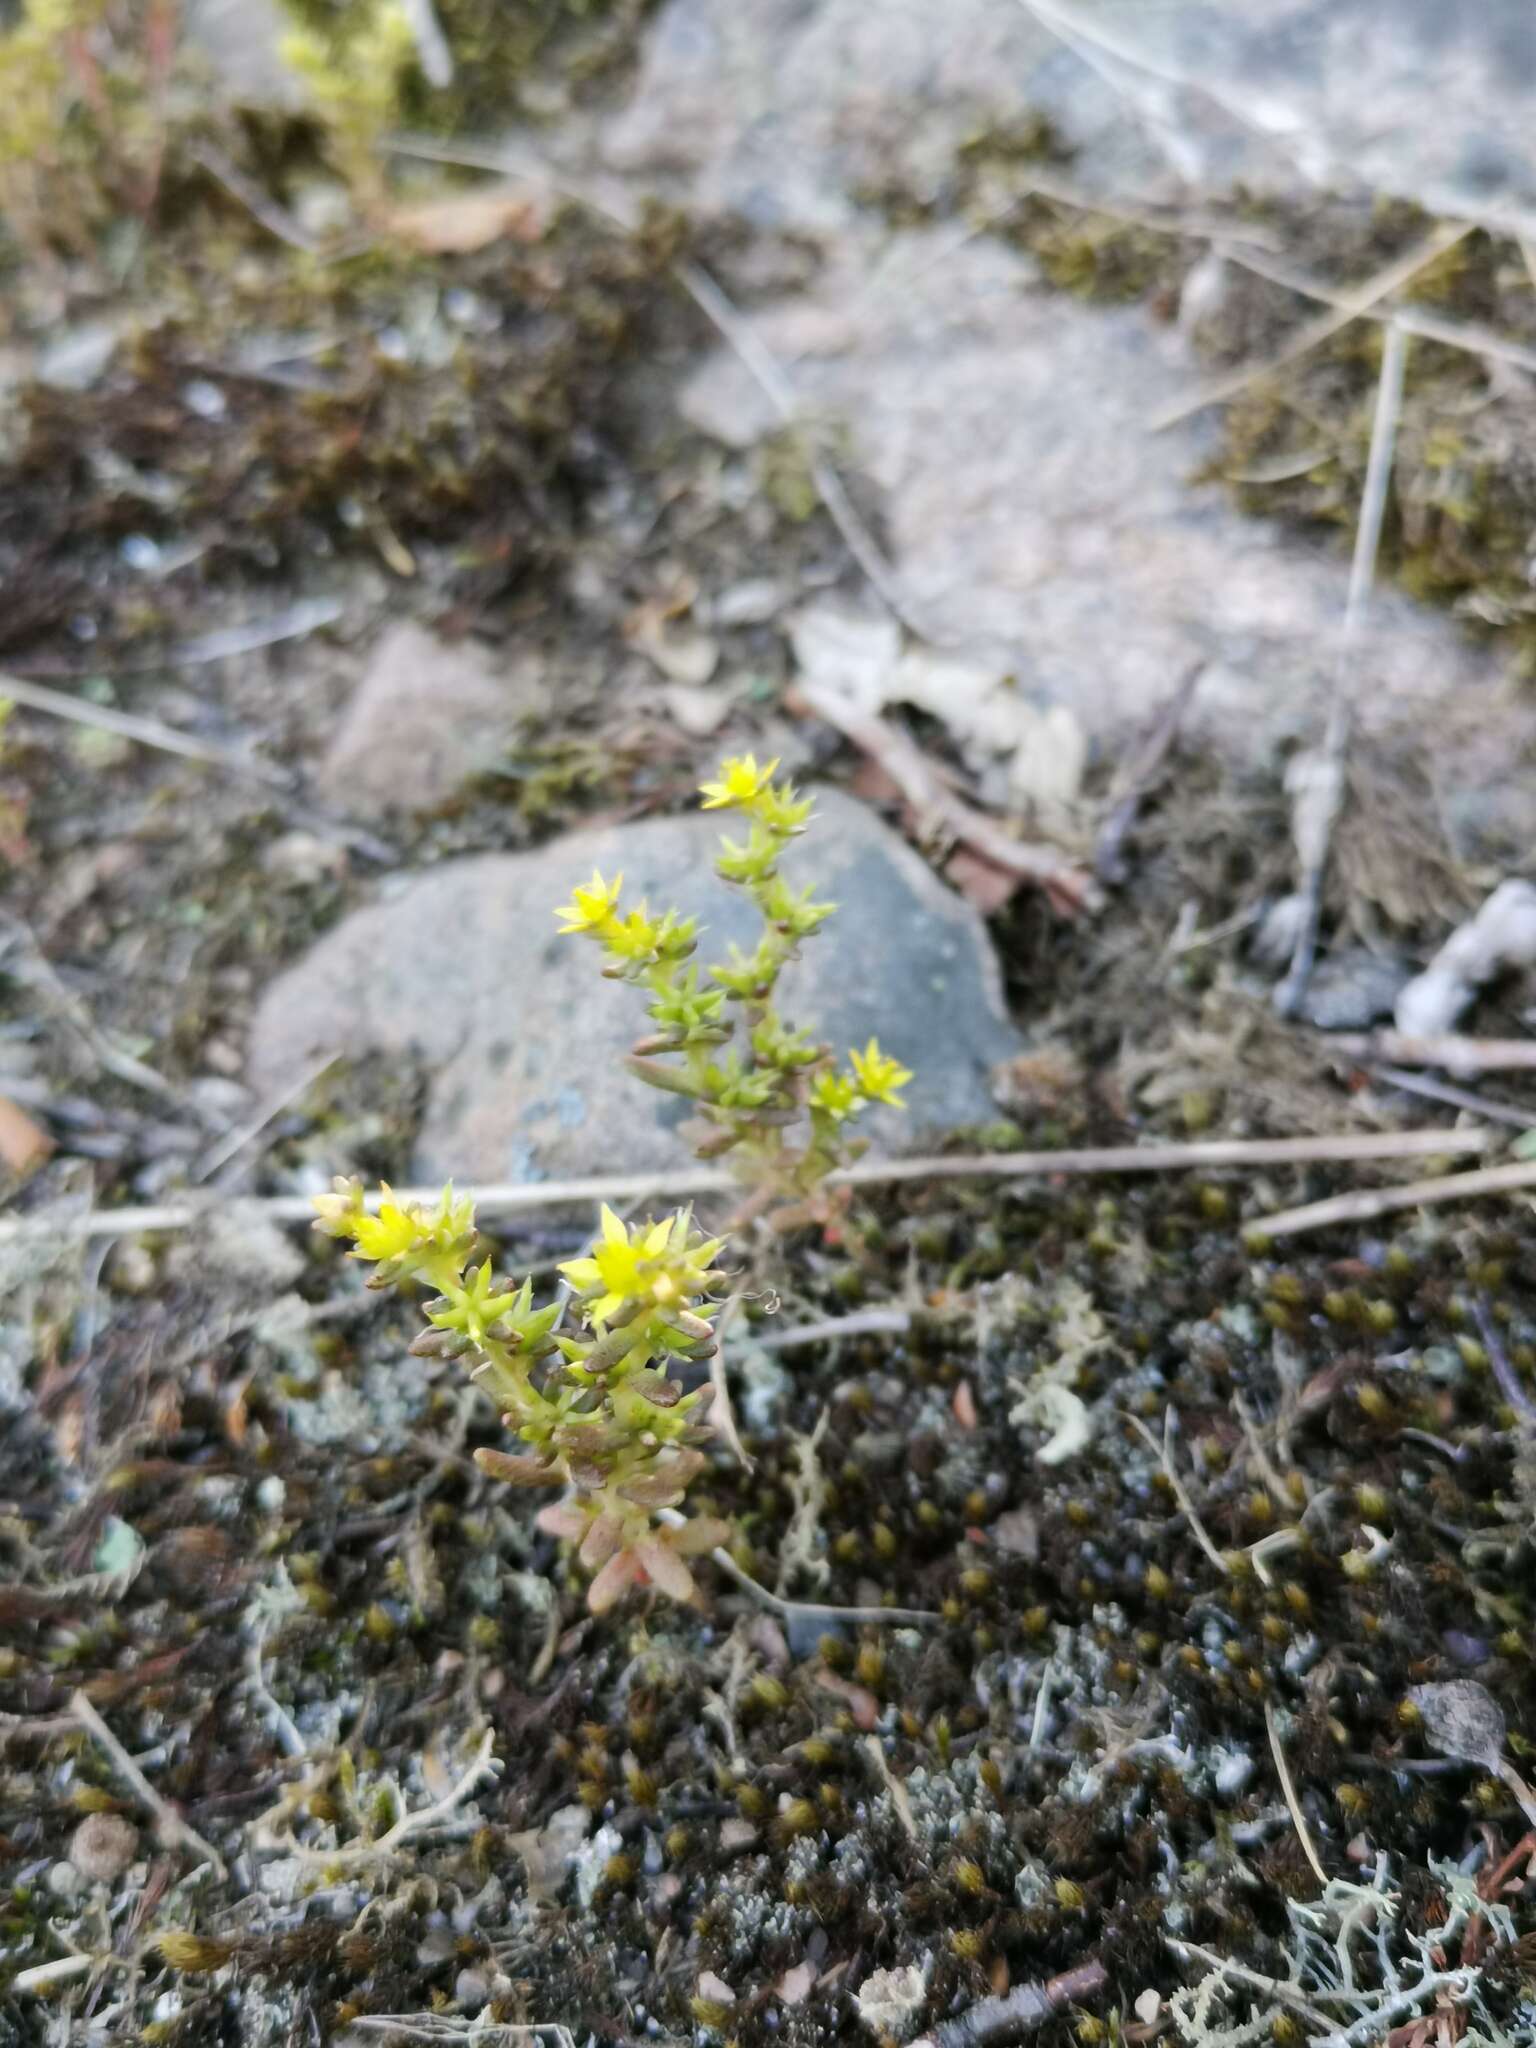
(149, 732)
(43, 1977)
(862, 1322)
(1347, 307)
(516, 1197)
(1365, 1204)
(1288, 1789)
(1457, 1054)
(1163, 1452)
(416, 1821)
(1325, 777)
(171, 1825)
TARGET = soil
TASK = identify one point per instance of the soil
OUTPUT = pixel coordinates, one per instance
(245, 1528)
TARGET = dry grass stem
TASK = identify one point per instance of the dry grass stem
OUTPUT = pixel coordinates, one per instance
(1163, 1452)
(1454, 1097)
(172, 1827)
(1070, 888)
(1288, 1789)
(508, 1198)
(722, 1414)
(1326, 784)
(1457, 1054)
(1349, 306)
(1458, 334)
(1365, 1204)
(817, 1610)
(149, 732)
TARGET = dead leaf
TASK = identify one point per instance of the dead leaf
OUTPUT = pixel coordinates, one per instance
(461, 222)
(1045, 1081)
(984, 885)
(1068, 886)
(963, 1405)
(863, 1705)
(869, 781)
(1034, 754)
(764, 1635)
(24, 1145)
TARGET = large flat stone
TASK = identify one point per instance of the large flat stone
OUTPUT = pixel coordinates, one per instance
(1035, 523)
(1432, 101)
(524, 1038)
(780, 109)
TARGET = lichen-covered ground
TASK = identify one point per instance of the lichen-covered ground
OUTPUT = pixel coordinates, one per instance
(1178, 1526)
(322, 1609)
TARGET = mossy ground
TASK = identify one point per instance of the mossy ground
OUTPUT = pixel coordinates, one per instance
(724, 1754)
(231, 1424)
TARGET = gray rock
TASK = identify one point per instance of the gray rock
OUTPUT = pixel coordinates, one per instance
(1352, 990)
(778, 110)
(427, 716)
(1436, 103)
(1034, 521)
(524, 1038)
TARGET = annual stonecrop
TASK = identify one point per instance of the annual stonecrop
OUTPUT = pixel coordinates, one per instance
(775, 1100)
(595, 1407)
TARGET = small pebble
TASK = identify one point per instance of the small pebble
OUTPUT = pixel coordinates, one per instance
(103, 1846)
(132, 1269)
(471, 1990)
(1464, 1648)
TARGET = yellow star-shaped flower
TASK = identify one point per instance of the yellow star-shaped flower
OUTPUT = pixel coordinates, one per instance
(614, 1263)
(394, 1230)
(835, 1096)
(657, 1262)
(880, 1077)
(741, 783)
(591, 909)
